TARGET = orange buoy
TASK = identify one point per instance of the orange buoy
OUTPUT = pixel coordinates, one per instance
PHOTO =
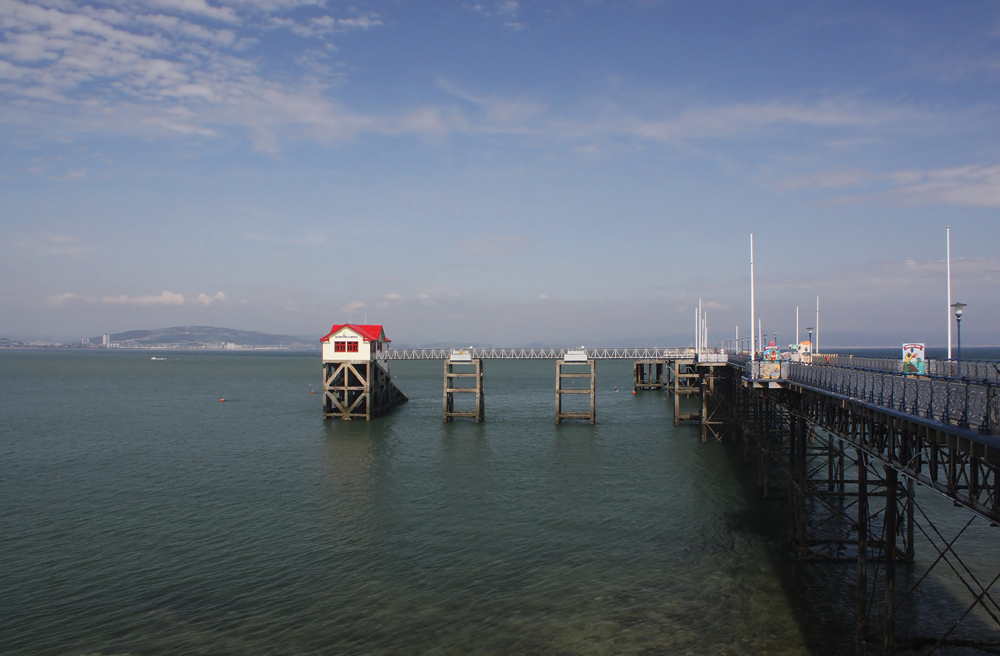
(312, 391)
(633, 391)
(222, 400)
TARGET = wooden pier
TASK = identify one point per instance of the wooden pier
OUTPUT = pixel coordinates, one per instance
(478, 411)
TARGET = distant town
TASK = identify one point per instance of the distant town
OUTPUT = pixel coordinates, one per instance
(179, 338)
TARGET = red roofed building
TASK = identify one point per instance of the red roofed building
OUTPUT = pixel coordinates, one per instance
(351, 342)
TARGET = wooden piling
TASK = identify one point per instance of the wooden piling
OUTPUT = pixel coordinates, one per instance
(560, 390)
(450, 374)
(648, 375)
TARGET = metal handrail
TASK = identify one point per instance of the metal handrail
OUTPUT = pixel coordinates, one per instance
(973, 369)
(957, 401)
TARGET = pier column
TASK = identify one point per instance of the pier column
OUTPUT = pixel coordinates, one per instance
(648, 375)
(560, 390)
(450, 374)
(891, 510)
(674, 374)
(861, 622)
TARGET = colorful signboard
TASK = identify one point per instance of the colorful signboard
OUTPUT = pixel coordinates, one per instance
(913, 359)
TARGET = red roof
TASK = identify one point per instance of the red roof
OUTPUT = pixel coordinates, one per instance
(370, 333)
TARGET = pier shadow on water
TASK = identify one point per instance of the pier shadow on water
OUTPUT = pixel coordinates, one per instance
(823, 594)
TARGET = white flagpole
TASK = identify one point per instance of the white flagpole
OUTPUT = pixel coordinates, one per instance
(817, 325)
(796, 326)
(948, 239)
(704, 323)
(697, 329)
(753, 348)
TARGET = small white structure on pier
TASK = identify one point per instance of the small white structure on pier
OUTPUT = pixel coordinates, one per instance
(355, 384)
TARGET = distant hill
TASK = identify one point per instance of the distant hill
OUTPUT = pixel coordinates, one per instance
(200, 336)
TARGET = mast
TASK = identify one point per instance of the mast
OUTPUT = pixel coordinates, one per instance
(753, 348)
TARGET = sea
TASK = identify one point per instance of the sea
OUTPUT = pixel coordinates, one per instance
(140, 513)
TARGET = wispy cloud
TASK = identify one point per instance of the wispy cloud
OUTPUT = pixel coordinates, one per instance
(895, 279)
(205, 299)
(76, 174)
(309, 239)
(52, 244)
(149, 68)
(184, 69)
(964, 186)
(494, 244)
(164, 298)
(324, 25)
(506, 11)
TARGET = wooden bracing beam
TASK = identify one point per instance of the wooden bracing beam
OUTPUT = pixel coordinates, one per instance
(358, 390)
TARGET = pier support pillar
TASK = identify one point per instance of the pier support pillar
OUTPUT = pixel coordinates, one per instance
(358, 390)
(861, 622)
(450, 374)
(891, 515)
(560, 390)
(648, 375)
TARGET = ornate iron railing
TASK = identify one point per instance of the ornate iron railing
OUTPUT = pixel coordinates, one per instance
(972, 369)
(960, 402)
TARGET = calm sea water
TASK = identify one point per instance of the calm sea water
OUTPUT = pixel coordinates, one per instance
(139, 514)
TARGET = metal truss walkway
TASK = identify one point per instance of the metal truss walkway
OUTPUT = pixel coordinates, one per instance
(655, 353)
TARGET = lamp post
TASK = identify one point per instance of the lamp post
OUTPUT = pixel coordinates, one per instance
(811, 349)
(958, 318)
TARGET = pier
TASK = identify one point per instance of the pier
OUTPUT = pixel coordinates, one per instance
(846, 441)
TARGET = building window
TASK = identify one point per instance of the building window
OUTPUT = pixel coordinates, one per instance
(339, 347)
(352, 347)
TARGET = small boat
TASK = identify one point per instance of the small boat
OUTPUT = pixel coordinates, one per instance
(156, 358)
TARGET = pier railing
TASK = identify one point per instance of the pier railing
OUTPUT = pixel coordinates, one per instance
(973, 369)
(961, 402)
(540, 354)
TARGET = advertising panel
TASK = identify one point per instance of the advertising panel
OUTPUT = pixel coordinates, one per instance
(913, 359)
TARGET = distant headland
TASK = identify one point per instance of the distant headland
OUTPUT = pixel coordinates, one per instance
(181, 337)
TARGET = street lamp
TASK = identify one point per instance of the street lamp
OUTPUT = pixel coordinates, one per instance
(958, 318)
(810, 329)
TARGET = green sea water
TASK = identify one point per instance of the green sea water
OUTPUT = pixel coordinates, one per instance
(142, 515)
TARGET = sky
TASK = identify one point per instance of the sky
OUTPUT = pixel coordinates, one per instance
(500, 172)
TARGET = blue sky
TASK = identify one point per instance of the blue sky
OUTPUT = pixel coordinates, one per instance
(499, 172)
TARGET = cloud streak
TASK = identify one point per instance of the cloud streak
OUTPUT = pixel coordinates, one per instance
(964, 186)
(191, 69)
(163, 299)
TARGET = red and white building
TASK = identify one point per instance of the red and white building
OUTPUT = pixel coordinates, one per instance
(354, 343)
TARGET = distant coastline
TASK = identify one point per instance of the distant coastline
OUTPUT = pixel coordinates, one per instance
(178, 338)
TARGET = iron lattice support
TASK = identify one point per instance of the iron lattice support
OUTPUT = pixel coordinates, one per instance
(851, 472)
